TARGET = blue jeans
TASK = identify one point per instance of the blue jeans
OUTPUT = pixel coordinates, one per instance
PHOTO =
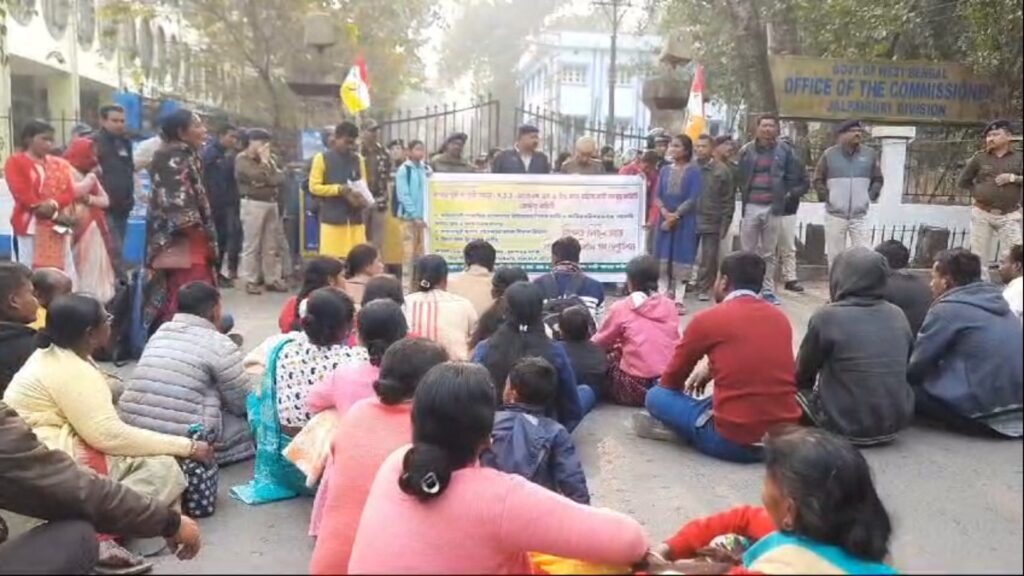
(588, 398)
(692, 420)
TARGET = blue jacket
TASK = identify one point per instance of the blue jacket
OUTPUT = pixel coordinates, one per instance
(527, 443)
(411, 189)
(566, 409)
(219, 176)
(968, 355)
(789, 175)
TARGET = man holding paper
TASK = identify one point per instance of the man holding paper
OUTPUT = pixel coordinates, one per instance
(337, 179)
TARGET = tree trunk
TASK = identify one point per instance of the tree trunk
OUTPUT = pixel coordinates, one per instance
(752, 48)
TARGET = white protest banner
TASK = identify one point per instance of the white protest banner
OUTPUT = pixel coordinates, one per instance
(522, 215)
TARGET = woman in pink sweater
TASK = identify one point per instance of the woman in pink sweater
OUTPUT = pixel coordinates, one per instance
(640, 334)
(381, 323)
(368, 433)
(433, 510)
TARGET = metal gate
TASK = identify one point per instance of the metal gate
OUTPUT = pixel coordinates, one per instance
(480, 121)
(559, 132)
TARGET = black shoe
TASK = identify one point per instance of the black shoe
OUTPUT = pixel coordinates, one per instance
(794, 286)
(225, 282)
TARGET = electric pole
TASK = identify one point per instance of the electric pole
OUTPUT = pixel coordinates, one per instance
(616, 12)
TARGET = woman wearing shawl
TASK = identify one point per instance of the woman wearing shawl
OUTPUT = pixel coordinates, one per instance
(91, 241)
(43, 189)
(180, 235)
(679, 186)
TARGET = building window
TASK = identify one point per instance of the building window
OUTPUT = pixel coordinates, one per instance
(128, 39)
(174, 61)
(22, 10)
(86, 23)
(146, 46)
(574, 74)
(108, 35)
(56, 13)
(623, 77)
(160, 55)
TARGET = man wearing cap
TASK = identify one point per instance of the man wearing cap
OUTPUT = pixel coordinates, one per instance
(378, 178)
(583, 161)
(524, 157)
(259, 181)
(449, 159)
(994, 178)
(848, 178)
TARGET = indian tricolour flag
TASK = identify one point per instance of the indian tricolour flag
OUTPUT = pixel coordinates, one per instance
(355, 91)
(696, 122)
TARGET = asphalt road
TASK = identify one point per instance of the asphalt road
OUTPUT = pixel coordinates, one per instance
(957, 503)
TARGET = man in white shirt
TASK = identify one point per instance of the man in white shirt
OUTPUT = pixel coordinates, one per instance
(1011, 270)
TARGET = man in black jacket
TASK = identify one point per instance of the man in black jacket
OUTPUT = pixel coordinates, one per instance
(114, 151)
(219, 177)
(524, 157)
(852, 366)
(910, 293)
(49, 485)
(18, 307)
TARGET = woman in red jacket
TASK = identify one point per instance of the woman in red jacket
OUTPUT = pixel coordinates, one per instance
(42, 187)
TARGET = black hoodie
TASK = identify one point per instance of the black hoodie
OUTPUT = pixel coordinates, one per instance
(857, 349)
(17, 343)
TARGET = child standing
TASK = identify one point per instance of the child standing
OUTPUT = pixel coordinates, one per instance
(411, 193)
(821, 513)
(48, 284)
(526, 442)
(640, 334)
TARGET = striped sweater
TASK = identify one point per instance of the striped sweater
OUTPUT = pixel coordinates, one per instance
(442, 317)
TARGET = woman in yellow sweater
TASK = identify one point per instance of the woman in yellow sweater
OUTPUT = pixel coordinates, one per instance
(335, 178)
(66, 400)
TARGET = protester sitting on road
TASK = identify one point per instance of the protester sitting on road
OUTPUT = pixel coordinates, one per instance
(475, 283)
(320, 272)
(435, 313)
(363, 263)
(191, 373)
(49, 485)
(370, 432)
(567, 280)
(528, 443)
(277, 409)
(522, 335)
(967, 366)
(1011, 272)
(453, 516)
(18, 310)
(749, 344)
(589, 361)
(904, 289)
(821, 514)
(490, 320)
(381, 324)
(639, 334)
(384, 287)
(852, 366)
(66, 400)
(48, 284)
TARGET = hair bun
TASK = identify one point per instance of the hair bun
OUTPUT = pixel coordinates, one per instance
(390, 392)
(426, 472)
(425, 284)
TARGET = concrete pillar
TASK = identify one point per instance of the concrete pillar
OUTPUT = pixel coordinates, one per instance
(62, 104)
(894, 141)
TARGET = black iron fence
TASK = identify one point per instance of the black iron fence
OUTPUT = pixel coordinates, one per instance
(480, 121)
(920, 239)
(559, 132)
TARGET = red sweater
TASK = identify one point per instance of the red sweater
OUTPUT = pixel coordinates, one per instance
(750, 345)
(750, 522)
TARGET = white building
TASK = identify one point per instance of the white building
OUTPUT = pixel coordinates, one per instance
(567, 73)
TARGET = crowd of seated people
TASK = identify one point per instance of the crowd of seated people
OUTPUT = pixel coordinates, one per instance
(424, 438)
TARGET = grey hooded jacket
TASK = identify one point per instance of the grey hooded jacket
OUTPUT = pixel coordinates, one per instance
(856, 352)
(189, 374)
(968, 355)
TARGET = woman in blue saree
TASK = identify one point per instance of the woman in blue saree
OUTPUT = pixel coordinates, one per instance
(679, 188)
(277, 409)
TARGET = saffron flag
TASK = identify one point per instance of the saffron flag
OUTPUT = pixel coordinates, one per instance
(355, 91)
(696, 122)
